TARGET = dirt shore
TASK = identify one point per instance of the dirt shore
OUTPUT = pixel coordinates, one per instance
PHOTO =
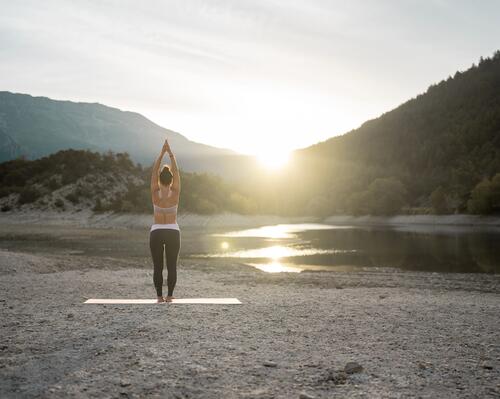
(414, 334)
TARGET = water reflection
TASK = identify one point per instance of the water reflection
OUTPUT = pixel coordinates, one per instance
(272, 252)
(325, 247)
(276, 267)
(279, 231)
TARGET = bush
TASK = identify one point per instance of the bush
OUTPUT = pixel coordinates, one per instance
(73, 198)
(59, 203)
(485, 197)
(384, 196)
(6, 191)
(127, 206)
(29, 195)
(439, 201)
(98, 207)
(53, 183)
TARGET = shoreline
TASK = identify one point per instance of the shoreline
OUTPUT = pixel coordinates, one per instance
(88, 218)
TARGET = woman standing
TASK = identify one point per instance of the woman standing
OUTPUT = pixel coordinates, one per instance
(165, 234)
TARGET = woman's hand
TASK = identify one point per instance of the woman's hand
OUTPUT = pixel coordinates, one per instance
(166, 147)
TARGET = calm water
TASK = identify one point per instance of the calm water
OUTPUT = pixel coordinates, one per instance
(293, 248)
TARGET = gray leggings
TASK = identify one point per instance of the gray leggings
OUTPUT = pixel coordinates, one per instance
(168, 241)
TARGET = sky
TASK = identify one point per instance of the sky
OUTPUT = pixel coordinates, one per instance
(253, 76)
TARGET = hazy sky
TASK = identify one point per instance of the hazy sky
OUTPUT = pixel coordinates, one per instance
(246, 75)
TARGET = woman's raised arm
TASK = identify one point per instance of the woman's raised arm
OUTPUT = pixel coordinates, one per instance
(176, 180)
(155, 184)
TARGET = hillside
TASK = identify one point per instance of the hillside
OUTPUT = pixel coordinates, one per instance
(34, 127)
(444, 141)
(76, 180)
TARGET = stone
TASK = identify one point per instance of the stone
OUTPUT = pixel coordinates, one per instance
(353, 367)
(338, 377)
(304, 395)
(270, 364)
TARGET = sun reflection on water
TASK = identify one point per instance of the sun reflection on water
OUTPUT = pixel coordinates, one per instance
(278, 231)
(274, 252)
(276, 267)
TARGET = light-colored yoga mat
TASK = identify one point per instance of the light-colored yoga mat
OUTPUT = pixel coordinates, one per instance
(224, 301)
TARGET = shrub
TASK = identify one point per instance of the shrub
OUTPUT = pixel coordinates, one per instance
(73, 198)
(53, 183)
(59, 203)
(29, 195)
(439, 201)
(485, 197)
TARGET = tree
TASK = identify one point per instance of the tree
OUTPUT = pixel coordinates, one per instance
(485, 197)
(439, 201)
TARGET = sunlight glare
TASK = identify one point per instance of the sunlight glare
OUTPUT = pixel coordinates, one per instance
(273, 159)
(276, 267)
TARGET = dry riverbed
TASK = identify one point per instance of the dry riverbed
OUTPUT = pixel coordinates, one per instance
(412, 334)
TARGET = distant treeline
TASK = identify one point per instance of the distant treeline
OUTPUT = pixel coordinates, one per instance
(72, 180)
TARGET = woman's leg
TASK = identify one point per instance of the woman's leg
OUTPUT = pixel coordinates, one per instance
(156, 246)
(172, 247)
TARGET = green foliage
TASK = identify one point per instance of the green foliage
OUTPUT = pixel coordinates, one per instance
(485, 198)
(447, 137)
(439, 201)
(384, 196)
(73, 198)
(59, 203)
(29, 195)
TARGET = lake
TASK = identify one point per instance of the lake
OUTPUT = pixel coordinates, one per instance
(298, 247)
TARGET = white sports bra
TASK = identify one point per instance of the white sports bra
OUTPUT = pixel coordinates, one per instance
(168, 210)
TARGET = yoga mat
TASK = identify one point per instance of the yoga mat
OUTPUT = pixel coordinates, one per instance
(224, 301)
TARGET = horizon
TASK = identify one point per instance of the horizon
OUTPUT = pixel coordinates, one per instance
(238, 76)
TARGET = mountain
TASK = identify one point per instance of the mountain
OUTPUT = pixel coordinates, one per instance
(38, 126)
(445, 141)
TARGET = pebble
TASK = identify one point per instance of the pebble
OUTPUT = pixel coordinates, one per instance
(338, 377)
(270, 364)
(353, 367)
(304, 395)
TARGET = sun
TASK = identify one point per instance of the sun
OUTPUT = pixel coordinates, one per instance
(273, 160)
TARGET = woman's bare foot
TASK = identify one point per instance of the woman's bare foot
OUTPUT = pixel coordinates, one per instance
(169, 298)
(160, 299)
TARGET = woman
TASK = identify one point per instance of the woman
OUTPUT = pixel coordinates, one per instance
(165, 233)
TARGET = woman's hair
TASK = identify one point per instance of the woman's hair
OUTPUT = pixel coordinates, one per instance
(166, 176)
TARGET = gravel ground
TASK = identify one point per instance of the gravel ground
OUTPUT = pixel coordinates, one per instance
(425, 335)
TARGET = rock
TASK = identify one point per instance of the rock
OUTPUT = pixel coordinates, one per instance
(338, 377)
(353, 367)
(382, 296)
(125, 383)
(70, 315)
(304, 395)
(270, 364)
(487, 366)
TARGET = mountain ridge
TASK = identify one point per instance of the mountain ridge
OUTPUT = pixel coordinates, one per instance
(36, 126)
